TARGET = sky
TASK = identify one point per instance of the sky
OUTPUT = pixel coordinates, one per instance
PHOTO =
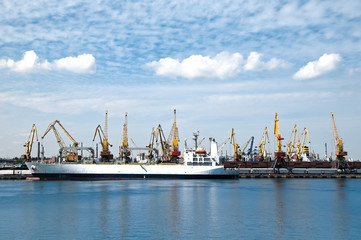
(220, 64)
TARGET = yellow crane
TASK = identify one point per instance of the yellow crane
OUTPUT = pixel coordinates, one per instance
(29, 144)
(103, 137)
(225, 142)
(339, 152)
(124, 151)
(153, 139)
(262, 151)
(279, 154)
(301, 145)
(173, 141)
(68, 155)
(292, 145)
(165, 147)
(236, 150)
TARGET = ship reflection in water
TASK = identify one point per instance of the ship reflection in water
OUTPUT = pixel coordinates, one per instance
(181, 209)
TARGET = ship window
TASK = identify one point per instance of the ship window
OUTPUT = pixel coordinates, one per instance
(195, 159)
(189, 163)
(207, 159)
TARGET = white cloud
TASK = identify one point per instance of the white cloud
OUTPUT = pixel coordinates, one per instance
(254, 63)
(28, 63)
(84, 63)
(223, 65)
(326, 63)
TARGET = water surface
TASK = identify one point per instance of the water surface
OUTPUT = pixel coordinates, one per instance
(181, 209)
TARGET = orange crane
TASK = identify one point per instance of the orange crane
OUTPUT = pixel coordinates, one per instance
(69, 155)
(173, 140)
(103, 137)
(29, 144)
(339, 152)
(124, 151)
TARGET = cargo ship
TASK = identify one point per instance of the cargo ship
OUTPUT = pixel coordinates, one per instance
(196, 164)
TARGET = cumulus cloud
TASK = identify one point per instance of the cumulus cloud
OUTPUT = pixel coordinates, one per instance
(223, 65)
(326, 63)
(84, 63)
(254, 63)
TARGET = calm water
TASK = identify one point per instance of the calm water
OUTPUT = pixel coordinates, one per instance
(178, 209)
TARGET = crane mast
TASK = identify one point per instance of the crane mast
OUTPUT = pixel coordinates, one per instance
(29, 144)
(153, 138)
(124, 151)
(292, 144)
(103, 137)
(279, 154)
(301, 146)
(166, 155)
(173, 140)
(339, 152)
(236, 150)
(262, 152)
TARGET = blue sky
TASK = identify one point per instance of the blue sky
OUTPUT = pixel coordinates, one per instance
(221, 64)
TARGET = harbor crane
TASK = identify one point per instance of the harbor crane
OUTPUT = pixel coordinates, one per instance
(103, 137)
(124, 151)
(249, 152)
(165, 147)
(293, 143)
(225, 142)
(301, 146)
(69, 155)
(29, 144)
(339, 152)
(153, 138)
(173, 141)
(236, 150)
(262, 151)
(279, 154)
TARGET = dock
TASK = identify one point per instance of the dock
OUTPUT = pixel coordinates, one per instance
(298, 175)
(14, 174)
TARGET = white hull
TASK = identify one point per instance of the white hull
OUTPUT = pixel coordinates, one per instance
(128, 171)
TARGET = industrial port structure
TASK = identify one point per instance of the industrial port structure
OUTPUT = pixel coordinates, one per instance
(166, 150)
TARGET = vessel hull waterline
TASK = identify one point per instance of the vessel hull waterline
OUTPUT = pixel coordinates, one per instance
(131, 171)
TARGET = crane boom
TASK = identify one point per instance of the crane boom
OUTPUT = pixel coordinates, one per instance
(291, 141)
(237, 152)
(173, 140)
(29, 144)
(124, 151)
(69, 155)
(262, 152)
(279, 138)
(164, 144)
(105, 153)
(279, 154)
(337, 140)
(300, 149)
(225, 142)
